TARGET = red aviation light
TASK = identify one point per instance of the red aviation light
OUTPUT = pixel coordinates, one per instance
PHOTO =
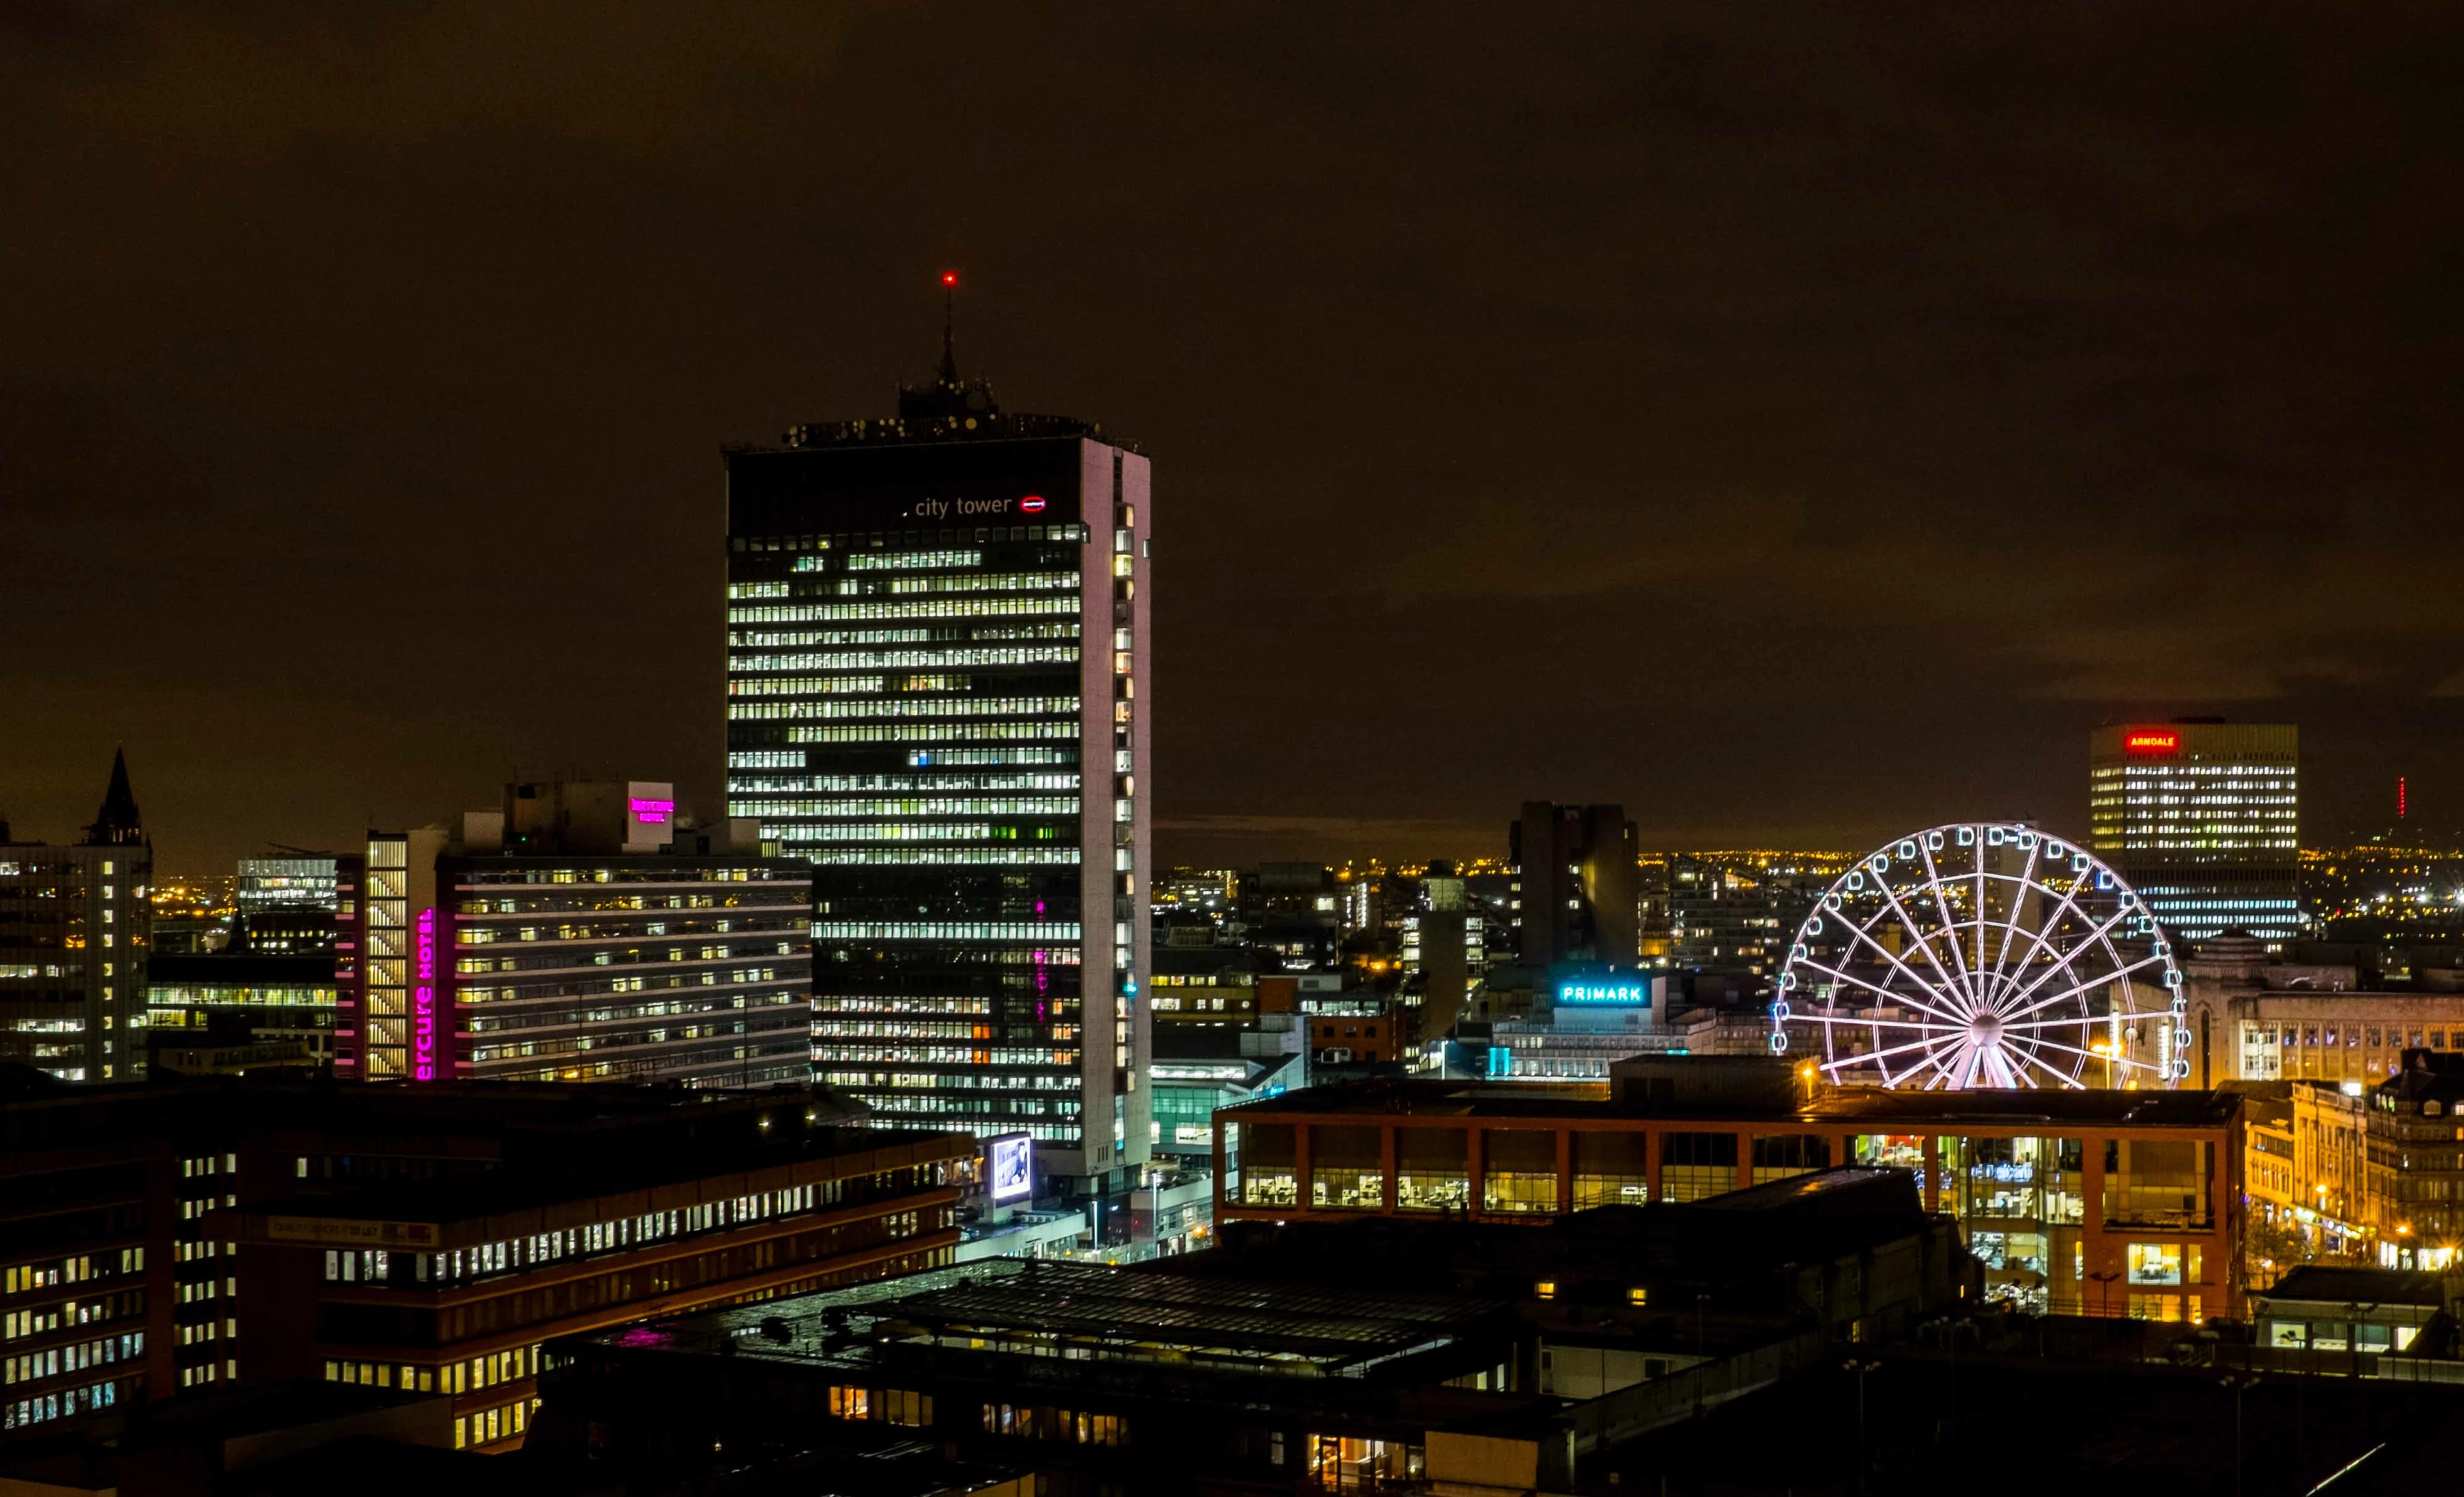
(2151, 741)
(949, 277)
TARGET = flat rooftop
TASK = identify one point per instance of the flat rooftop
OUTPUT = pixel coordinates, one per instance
(589, 1172)
(1475, 1100)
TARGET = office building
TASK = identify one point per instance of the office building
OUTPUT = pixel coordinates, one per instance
(2202, 817)
(939, 691)
(1727, 917)
(1578, 884)
(575, 934)
(2078, 1202)
(185, 1236)
(1364, 1357)
(76, 932)
(225, 1011)
(300, 881)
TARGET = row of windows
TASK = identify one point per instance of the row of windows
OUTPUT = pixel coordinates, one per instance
(929, 1092)
(937, 856)
(894, 1405)
(52, 1361)
(24, 1278)
(1042, 1422)
(923, 609)
(945, 537)
(2309, 1035)
(879, 659)
(947, 1055)
(933, 805)
(945, 930)
(623, 1234)
(58, 1405)
(894, 560)
(942, 733)
(893, 707)
(817, 639)
(986, 581)
(807, 784)
(873, 1003)
(806, 685)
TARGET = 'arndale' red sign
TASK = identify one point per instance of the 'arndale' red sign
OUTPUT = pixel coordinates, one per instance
(2149, 742)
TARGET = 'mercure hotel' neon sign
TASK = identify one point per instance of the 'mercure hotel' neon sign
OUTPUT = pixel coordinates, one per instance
(422, 1001)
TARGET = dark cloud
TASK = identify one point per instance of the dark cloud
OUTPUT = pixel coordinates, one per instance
(1791, 424)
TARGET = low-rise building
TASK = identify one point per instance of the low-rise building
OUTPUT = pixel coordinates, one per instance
(2415, 1163)
(1474, 1358)
(182, 1236)
(2078, 1202)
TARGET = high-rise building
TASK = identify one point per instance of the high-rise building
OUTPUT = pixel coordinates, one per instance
(2202, 817)
(937, 691)
(577, 934)
(1578, 884)
(75, 929)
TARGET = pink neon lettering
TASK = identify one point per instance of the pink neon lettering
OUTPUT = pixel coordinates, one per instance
(422, 1001)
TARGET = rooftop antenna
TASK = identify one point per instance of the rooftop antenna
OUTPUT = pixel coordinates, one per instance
(949, 320)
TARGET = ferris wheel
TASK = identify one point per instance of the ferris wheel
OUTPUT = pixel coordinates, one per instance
(1984, 955)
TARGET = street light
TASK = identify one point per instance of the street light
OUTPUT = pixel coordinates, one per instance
(2238, 1382)
(2104, 1289)
(1860, 1369)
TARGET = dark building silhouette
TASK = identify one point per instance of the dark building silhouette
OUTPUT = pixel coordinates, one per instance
(1580, 885)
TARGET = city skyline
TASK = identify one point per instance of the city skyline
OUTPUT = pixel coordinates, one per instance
(1800, 465)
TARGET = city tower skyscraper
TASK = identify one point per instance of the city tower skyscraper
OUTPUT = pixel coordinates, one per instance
(2202, 817)
(937, 630)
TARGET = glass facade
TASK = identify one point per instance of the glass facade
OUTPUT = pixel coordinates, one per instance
(935, 666)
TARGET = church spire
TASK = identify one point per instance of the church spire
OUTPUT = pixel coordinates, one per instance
(117, 825)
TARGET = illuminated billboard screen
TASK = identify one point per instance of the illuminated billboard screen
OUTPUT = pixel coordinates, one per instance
(1011, 1162)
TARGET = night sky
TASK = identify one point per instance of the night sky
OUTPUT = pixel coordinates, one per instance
(1800, 424)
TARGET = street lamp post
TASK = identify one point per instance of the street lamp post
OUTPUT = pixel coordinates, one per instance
(1860, 1369)
(2238, 1382)
(2104, 1289)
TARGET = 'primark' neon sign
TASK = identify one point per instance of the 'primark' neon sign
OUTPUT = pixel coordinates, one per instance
(1603, 993)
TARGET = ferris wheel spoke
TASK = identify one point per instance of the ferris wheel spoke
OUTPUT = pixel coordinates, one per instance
(2073, 1022)
(2124, 1061)
(1878, 1056)
(1855, 1022)
(2071, 1082)
(2043, 936)
(1907, 922)
(2115, 975)
(2100, 937)
(1955, 1019)
(1941, 904)
(2022, 887)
